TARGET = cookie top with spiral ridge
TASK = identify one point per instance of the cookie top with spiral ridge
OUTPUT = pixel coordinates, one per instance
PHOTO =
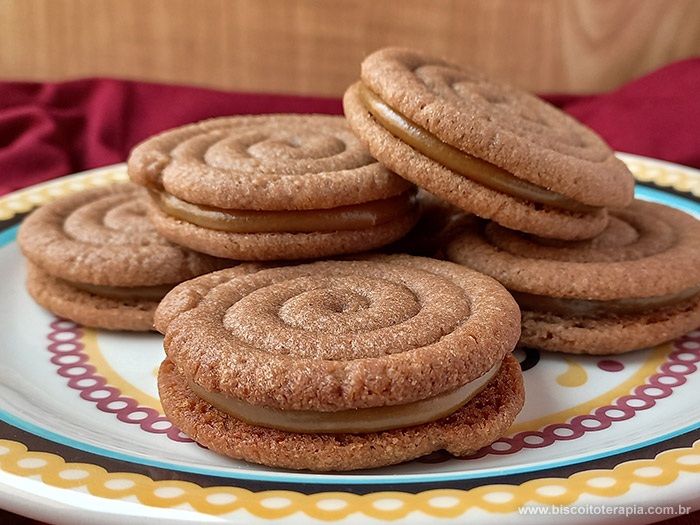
(485, 146)
(271, 187)
(501, 124)
(101, 236)
(264, 162)
(657, 244)
(335, 335)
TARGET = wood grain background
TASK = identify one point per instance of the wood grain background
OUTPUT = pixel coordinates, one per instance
(315, 46)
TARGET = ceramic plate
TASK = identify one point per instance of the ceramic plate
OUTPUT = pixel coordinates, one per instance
(83, 438)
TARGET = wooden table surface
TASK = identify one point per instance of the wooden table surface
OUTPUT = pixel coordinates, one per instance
(316, 46)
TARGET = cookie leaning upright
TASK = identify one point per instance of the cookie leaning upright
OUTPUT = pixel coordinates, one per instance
(340, 365)
(94, 258)
(637, 284)
(485, 146)
(271, 187)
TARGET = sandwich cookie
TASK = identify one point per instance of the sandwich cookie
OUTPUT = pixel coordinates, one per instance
(485, 146)
(341, 365)
(271, 187)
(635, 285)
(94, 258)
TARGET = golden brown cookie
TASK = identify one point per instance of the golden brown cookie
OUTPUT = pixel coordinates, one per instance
(340, 365)
(485, 146)
(271, 187)
(636, 284)
(95, 258)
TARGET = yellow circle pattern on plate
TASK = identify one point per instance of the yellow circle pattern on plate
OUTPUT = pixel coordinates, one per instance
(334, 506)
(26, 200)
(667, 176)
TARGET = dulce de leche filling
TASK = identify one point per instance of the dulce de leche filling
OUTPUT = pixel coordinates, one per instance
(352, 217)
(361, 420)
(144, 293)
(471, 167)
(566, 307)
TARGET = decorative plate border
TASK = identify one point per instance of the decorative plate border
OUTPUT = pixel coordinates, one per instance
(74, 365)
(663, 174)
(53, 470)
(26, 200)
(620, 408)
(77, 357)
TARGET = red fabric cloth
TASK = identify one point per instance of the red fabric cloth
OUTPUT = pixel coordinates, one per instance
(657, 115)
(53, 129)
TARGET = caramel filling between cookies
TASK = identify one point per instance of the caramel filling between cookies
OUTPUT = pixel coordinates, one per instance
(120, 293)
(352, 217)
(471, 167)
(362, 420)
(566, 307)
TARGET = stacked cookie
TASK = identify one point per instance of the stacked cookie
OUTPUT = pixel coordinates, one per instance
(94, 258)
(485, 147)
(592, 271)
(368, 360)
(636, 284)
(272, 187)
(332, 365)
(340, 365)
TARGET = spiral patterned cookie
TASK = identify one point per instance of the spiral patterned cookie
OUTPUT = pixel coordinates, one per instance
(271, 187)
(337, 353)
(96, 259)
(485, 146)
(636, 284)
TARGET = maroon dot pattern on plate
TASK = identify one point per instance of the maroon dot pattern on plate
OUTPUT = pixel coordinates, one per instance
(610, 365)
(682, 361)
(68, 354)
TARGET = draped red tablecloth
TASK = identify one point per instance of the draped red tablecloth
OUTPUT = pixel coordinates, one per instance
(52, 129)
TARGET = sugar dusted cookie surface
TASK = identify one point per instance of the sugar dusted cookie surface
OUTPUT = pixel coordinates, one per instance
(380, 335)
(636, 284)
(528, 165)
(271, 187)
